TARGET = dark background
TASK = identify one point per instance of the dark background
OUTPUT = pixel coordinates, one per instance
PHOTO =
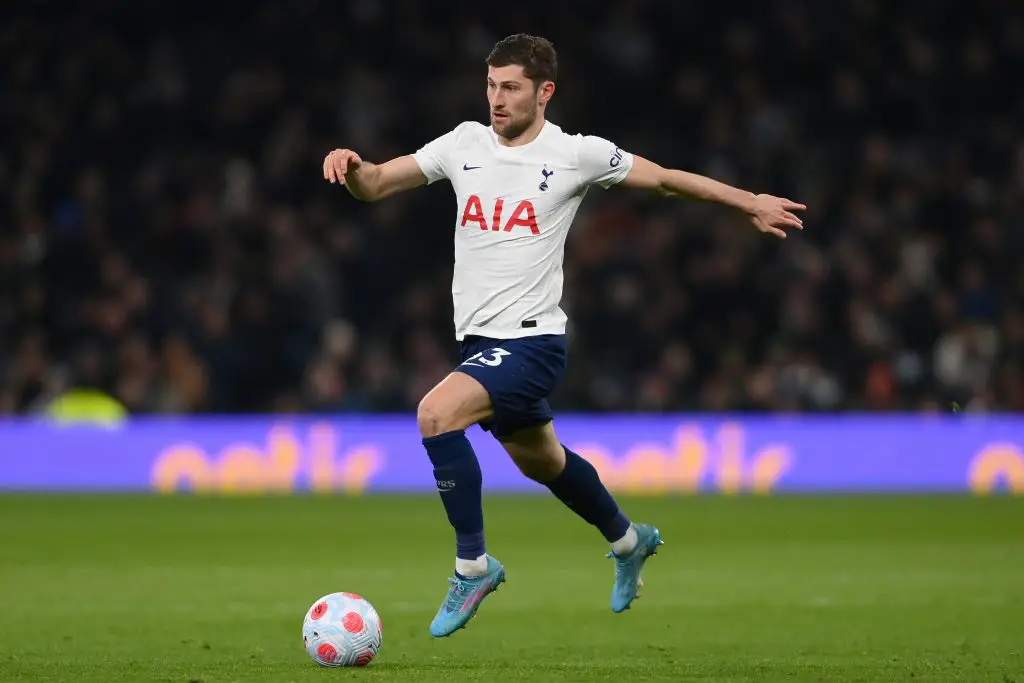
(166, 234)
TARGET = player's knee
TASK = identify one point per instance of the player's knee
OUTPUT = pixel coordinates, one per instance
(434, 419)
(456, 403)
(429, 417)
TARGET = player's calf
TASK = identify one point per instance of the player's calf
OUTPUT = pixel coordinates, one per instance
(574, 481)
(537, 453)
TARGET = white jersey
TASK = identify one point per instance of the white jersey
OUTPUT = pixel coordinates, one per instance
(515, 206)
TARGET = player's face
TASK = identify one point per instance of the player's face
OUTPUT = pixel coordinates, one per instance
(515, 101)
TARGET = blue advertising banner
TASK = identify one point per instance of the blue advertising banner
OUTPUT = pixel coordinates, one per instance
(649, 454)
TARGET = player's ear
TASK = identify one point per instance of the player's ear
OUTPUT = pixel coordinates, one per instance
(547, 89)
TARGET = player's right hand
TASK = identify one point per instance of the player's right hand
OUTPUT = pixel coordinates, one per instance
(339, 163)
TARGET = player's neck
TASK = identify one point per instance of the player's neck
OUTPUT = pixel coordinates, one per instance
(526, 137)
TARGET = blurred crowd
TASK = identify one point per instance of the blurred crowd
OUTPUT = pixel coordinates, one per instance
(166, 235)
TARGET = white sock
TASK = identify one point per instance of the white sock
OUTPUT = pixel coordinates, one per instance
(625, 545)
(478, 567)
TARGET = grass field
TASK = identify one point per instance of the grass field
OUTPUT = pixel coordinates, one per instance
(789, 589)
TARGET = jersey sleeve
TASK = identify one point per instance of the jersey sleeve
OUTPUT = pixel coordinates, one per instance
(602, 163)
(433, 157)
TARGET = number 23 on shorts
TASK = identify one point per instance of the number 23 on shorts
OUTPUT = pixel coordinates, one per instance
(493, 360)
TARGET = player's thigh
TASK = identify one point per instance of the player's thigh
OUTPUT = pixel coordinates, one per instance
(457, 402)
(537, 451)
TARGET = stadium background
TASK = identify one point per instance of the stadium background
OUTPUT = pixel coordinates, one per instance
(168, 237)
(173, 267)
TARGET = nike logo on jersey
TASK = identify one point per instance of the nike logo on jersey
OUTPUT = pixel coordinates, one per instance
(467, 167)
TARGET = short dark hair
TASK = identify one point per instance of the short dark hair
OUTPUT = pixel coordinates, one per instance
(535, 54)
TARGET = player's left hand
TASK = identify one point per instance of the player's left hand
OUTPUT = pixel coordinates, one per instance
(774, 214)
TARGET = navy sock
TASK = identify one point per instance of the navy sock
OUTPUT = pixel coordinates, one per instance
(460, 483)
(580, 488)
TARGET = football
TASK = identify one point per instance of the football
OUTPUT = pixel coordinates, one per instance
(342, 629)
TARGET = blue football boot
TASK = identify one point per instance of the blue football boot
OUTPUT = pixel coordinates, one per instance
(464, 597)
(629, 566)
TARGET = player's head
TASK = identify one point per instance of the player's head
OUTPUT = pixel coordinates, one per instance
(521, 71)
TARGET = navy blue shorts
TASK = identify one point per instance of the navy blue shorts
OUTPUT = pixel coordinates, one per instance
(519, 375)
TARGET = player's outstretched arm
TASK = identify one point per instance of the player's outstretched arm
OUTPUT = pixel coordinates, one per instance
(370, 182)
(768, 213)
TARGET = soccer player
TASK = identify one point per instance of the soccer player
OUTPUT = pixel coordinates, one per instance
(518, 183)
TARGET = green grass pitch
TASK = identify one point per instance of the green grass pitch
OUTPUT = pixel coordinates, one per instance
(746, 589)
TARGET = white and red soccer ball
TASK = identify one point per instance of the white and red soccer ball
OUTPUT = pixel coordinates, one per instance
(342, 629)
